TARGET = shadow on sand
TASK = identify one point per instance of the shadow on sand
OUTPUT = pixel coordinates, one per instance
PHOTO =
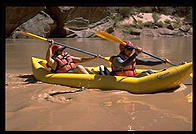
(30, 78)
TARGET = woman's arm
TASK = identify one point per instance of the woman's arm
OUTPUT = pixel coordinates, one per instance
(49, 59)
(83, 59)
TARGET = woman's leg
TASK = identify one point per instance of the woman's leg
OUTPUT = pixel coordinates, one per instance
(89, 70)
(80, 69)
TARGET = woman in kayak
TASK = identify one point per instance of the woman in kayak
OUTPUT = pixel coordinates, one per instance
(124, 63)
(62, 62)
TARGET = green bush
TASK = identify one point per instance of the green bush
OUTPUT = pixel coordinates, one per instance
(167, 21)
(177, 24)
(148, 24)
(117, 18)
(166, 10)
(155, 17)
(183, 11)
(146, 9)
(127, 11)
(160, 24)
(140, 23)
(119, 26)
(130, 29)
(177, 18)
(126, 28)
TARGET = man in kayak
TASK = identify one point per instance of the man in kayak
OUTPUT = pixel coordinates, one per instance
(124, 63)
(62, 62)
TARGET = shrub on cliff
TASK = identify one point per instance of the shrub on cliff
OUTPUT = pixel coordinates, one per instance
(156, 17)
(146, 9)
(117, 17)
(178, 23)
(126, 28)
(166, 10)
(160, 24)
(167, 21)
(149, 24)
(127, 11)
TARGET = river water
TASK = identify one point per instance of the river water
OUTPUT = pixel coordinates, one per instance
(29, 108)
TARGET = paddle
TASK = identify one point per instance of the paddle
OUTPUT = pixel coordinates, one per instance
(115, 39)
(67, 46)
(110, 37)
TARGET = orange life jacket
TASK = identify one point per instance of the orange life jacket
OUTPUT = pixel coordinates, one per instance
(64, 63)
(126, 71)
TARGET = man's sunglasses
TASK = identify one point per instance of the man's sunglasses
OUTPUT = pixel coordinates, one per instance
(129, 48)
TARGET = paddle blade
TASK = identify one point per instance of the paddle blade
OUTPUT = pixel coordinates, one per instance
(32, 35)
(109, 37)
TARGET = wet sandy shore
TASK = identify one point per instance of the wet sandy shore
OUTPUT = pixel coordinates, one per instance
(33, 105)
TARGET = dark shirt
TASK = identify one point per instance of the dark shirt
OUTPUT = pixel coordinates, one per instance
(119, 63)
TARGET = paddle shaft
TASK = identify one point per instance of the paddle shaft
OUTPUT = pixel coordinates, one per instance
(77, 49)
(67, 46)
(113, 38)
(154, 56)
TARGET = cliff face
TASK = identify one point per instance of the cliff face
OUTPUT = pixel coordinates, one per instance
(77, 21)
(83, 22)
(57, 21)
(16, 16)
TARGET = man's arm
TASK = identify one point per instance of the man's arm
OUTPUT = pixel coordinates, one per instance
(141, 61)
(118, 62)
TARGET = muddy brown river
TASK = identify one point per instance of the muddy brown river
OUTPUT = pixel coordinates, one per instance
(34, 105)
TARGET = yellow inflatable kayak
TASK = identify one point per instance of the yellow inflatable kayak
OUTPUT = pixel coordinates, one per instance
(162, 80)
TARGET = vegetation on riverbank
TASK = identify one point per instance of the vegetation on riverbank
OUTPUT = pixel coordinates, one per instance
(179, 16)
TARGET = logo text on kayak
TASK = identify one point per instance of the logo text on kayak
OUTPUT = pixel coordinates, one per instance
(162, 76)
